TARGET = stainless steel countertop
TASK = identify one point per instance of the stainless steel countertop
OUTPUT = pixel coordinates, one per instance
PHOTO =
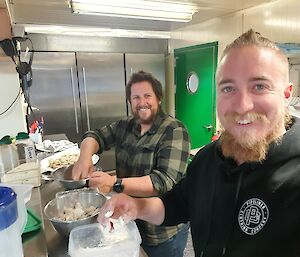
(34, 243)
(57, 245)
(46, 241)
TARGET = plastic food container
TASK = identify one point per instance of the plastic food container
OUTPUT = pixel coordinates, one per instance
(8, 155)
(10, 232)
(92, 241)
(25, 148)
(23, 192)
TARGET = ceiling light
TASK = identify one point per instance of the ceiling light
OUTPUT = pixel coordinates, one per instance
(93, 31)
(137, 9)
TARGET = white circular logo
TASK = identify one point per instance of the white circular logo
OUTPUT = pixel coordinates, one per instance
(253, 216)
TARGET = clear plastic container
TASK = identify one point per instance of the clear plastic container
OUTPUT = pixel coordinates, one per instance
(10, 234)
(93, 241)
(8, 155)
(25, 148)
(23, 192)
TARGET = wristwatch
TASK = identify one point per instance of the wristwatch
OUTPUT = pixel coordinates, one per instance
(118, 187)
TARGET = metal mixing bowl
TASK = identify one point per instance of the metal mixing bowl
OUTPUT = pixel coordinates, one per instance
(86, 198)
(64, 177)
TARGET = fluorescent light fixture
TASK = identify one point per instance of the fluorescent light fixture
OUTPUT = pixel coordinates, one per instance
(138, 9)
(93, 31)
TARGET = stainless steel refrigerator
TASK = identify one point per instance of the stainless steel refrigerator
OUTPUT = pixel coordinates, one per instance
(76, 92)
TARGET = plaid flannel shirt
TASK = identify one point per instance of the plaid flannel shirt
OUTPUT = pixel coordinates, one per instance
(162, 153)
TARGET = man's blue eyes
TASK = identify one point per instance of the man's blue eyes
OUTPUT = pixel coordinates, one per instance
(258, 87)
(227, 89)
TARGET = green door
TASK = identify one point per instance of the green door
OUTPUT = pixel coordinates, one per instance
(195, 91)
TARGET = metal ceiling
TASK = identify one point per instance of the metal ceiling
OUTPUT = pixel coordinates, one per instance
(57, 12)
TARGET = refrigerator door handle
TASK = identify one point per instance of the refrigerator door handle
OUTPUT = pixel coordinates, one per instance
(74, 101)
(86, 100)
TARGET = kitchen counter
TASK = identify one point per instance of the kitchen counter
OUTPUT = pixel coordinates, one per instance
(46, 241)
(34, 243)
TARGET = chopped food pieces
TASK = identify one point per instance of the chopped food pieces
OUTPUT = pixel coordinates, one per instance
(63, 161)
(77, 212)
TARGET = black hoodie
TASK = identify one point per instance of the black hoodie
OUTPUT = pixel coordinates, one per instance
(251, 210)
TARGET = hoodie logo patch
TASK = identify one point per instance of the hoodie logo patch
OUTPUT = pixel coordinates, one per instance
(253, 216)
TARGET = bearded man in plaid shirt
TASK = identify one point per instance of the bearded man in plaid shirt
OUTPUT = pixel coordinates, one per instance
(152, 151)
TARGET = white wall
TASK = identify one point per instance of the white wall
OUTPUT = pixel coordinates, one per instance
(222, 30)
(278, 21)
(5, 29)
(13, 121)
(295, 79)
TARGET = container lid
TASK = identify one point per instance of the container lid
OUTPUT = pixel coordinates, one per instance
(33, 222)
(6, 140)
(93, 240)
(8, 207)
(22, 135)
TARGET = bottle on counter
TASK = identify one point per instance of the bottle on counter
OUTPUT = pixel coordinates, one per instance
(8, 155)
(25, 148)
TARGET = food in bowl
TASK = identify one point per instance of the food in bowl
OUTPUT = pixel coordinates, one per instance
(77, 212)
(63, 161)
(67, 199)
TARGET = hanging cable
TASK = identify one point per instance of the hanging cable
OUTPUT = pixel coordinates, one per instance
(7, 109)
(12, 48)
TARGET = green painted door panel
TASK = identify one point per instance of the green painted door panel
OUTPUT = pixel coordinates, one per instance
(196, 110)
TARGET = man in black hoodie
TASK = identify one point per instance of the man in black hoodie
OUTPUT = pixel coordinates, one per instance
(242, 192)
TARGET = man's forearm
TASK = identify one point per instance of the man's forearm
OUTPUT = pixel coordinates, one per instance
(88, 147)
(151, 210)
(139, 186)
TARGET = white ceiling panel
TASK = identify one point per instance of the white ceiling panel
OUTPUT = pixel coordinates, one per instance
(57, 12)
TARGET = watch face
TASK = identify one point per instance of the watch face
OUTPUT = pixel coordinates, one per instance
(118, 187)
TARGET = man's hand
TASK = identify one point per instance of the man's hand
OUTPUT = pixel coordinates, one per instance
(82, 168)
(129, 208)
(120, 205)
(103, 181)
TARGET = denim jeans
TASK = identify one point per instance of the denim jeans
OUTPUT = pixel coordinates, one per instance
(173, 247)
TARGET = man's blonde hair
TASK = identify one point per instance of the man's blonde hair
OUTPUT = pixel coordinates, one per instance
(252, 38)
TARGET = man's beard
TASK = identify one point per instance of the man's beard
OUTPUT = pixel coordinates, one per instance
(248, 148)
(147, 121)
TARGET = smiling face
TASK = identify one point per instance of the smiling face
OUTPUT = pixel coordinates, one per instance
(144, 103)
(253, 92)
